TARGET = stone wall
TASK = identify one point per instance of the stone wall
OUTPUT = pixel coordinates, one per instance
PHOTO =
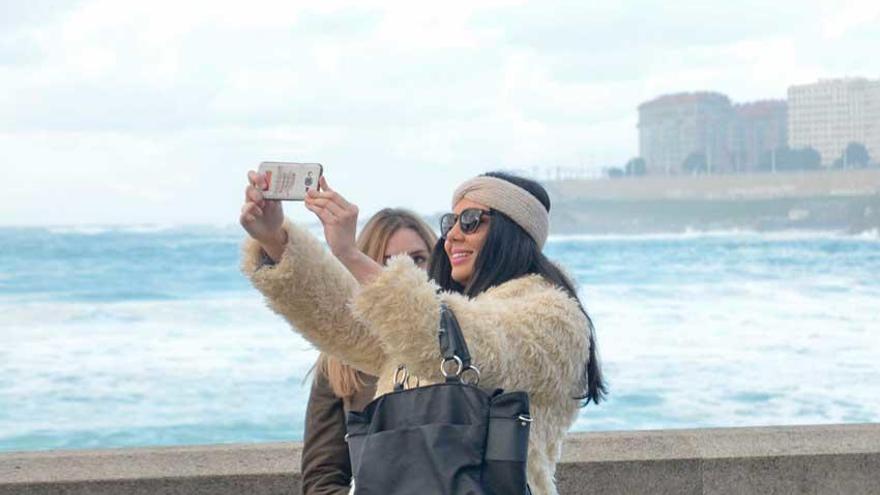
(832, 459)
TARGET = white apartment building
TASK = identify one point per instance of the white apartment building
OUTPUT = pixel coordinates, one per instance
(831, 113)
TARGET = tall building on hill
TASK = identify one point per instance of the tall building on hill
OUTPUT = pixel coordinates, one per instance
(831, 113)
(671, 127)
(760, 126)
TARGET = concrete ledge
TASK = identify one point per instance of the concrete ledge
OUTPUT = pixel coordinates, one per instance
(215, 469)
(836, 459)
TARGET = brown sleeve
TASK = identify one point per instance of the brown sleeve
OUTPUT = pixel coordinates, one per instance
(326, 468)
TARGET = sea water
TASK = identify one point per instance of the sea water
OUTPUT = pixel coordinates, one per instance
(144, 336)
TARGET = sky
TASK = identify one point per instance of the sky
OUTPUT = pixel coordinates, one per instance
(131, 112)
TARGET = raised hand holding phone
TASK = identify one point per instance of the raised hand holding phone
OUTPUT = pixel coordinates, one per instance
(339, 218)
(337, 215)
(262, 218)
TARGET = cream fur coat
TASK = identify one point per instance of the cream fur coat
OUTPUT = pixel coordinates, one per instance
(523, 335)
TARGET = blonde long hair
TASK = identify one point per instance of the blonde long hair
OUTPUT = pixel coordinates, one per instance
(372, 241)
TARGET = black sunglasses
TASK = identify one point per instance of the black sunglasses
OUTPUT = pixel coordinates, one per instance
(469, 219)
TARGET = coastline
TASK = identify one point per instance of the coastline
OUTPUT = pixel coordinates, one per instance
(844, 201)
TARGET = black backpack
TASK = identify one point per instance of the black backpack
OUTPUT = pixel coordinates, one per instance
(450, 438)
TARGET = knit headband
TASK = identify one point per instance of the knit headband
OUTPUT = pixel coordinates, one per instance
(510, 199)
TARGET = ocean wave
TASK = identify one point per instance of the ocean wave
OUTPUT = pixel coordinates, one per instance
(869, 235)
(159, 228)
(218, 310)
(688, 339)
(78, 230)
(108, 229)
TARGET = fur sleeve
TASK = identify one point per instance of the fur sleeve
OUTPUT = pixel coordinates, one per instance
(524, 334)
(311, 289)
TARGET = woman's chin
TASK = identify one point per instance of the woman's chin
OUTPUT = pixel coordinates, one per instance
(460, 275)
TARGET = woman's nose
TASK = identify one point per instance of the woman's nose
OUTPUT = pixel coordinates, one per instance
(455, 232)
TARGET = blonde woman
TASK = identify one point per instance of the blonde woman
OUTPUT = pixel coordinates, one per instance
(337, 387)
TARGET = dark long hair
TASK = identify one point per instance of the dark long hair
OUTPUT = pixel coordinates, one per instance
(509, 253)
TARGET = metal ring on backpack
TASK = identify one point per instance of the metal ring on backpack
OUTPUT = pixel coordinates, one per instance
(476, 375)
(401, 383)
(406, 380)
(457, 361)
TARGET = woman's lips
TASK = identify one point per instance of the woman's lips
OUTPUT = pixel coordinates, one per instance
(459, 258)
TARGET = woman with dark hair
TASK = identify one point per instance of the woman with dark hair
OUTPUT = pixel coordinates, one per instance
(524, 323)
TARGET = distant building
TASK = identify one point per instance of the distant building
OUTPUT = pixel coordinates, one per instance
(672, 127)
(760, 126)
(831, 113)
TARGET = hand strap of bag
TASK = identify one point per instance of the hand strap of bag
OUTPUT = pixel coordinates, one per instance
(453, 348)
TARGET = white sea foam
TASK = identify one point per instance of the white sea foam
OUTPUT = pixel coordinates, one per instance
(79, 230)
(746, 334)
(115, 366)
(103, 229)
(871, 235)
(147, 228)
(152, 228)
(766, 352)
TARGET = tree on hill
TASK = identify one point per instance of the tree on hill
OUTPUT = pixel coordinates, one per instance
(809, 158)
(636, 166)
(854, 156)
(695, 163)
(784, 158)
(615, 172)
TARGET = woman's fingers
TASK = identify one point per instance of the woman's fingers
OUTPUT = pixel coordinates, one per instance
(332, 201)
(261, 218)
(257, 180)
(254, 190)
(254, 195)
(320, 207)
(325, 215)
(253, 209)
(250, 212)
(334, 208)
(329, 194)
(338, 216)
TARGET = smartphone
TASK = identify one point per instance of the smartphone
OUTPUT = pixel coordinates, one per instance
(290, 181)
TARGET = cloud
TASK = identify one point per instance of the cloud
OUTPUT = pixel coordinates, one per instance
(574, 27)
(848, 16)
(131, 110)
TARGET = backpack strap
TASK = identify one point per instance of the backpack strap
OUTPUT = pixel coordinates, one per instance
(453, 347)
